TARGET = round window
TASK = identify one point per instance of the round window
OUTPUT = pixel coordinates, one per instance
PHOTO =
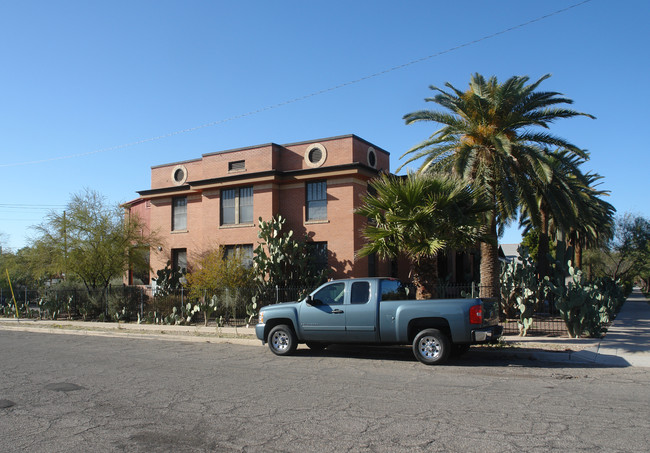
(179, 175)
(315, 155)
(372, 157)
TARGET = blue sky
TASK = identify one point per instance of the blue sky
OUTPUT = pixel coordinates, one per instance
(84, 79)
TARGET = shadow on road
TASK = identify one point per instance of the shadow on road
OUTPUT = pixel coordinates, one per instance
(476, 357)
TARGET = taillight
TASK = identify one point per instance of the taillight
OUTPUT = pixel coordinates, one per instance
(476, 314)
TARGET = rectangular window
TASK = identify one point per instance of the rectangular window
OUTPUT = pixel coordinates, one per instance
(141, 259)
(360, 293)
(179, 259)
(316, 200)
(394, 290)
(245, 251)
(246, 205)
(237, 206)
(317, 251)
(179, 213)
(237, 165)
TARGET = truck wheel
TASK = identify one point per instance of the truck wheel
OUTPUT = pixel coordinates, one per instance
(431, 347)
(282, 340)
(317, 346)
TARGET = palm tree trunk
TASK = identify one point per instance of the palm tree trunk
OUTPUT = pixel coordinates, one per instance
(577, 250)
(425, 277)
(542, 247)
(490, 265)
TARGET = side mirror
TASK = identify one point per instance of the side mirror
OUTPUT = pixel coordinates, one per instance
(310, 301)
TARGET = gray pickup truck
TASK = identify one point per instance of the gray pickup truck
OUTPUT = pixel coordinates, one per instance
(378, 311)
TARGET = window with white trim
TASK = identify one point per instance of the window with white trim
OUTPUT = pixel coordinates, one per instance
(237, 206)
(244, 251)
(316, 203)
(179, 260)
(179, 213)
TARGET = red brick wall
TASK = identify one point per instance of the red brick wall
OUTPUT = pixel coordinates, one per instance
(341, 231)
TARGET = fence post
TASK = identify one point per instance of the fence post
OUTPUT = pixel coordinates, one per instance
(277, 294)
(141, 302)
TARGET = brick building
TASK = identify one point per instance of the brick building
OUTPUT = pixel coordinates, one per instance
(216, 200)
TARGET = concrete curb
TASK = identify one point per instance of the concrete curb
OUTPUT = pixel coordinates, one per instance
(568, 351)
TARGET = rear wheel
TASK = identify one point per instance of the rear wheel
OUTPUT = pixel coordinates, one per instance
(431, 347)
(282, 340)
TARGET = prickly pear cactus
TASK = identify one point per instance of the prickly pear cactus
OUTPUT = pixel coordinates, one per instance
(586, 308)
(519, 290)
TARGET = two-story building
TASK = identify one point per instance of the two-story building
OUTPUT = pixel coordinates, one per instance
(217, 199)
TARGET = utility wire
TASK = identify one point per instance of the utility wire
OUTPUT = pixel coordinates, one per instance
(307, 96)
(34, 206)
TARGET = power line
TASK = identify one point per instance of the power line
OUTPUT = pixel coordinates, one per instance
(26, 208)
(36, 206)
(305, 97)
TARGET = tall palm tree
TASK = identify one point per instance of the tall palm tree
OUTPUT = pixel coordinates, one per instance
(418, 216)
(569, 206)
(596, 219)
(490, 136)
(557, 204)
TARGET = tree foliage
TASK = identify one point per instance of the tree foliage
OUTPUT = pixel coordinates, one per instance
(627, 254)
(91, 241)
(282, 261)
(418, 216)
(213, 272)
(493, 135)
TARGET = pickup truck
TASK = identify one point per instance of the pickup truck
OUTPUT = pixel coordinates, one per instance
(378, 311)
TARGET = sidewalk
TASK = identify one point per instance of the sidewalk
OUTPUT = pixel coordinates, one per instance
(627, 342)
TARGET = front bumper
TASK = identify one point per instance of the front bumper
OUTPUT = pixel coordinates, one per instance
(259, 332)
(487, 334)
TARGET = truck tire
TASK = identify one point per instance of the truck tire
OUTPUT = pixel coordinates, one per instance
(431, 347)
(282, 340)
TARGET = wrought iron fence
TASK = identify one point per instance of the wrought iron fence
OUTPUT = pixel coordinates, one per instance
(130, 303)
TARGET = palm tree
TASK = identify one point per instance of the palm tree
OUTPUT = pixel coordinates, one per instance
(568, 205)
(418, 216)
(490, 137)
(596, 219)
(557, 203)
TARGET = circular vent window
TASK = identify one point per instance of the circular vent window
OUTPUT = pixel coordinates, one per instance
(315, 155)
(372, 157)
(179, 175)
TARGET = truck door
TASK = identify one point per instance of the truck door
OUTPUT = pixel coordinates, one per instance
(361, 314)
(325, 320)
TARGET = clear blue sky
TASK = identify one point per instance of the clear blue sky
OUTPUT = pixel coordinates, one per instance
(79, 77)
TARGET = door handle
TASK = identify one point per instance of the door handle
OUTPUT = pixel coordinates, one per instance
(336, 312)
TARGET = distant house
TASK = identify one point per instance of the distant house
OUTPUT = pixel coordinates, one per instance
(509, 252)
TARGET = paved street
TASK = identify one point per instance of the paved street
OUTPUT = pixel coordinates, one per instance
(87, 393)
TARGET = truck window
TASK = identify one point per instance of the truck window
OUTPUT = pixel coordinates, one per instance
(360, 293)
(394, 290)
(331, 294)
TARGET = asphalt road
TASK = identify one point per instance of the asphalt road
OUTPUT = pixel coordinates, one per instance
(72, 393)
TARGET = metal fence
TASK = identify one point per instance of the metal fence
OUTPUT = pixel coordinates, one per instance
(130, 303)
